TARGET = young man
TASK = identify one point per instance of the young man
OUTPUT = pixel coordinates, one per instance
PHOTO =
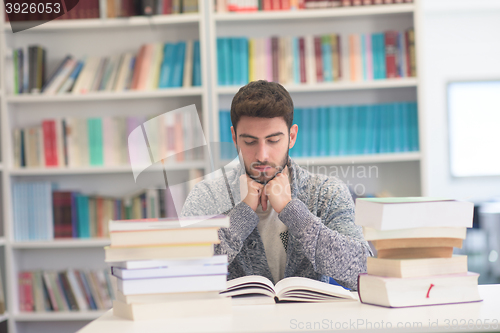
(284, 221)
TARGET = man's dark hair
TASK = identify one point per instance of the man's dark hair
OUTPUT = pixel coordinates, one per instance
(262, 99)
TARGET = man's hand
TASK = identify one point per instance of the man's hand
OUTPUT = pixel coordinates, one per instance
(255, 194)
(278, 191)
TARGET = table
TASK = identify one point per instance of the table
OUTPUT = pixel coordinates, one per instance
(347, 316)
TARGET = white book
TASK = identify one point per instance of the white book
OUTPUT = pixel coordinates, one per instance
(41, 147)
(188, 65)
(77, 291)
(428, 232)
(81, 76)
(297, 289)
(165, 297)
(310, 59)
(172, 284)
(9, 71)
(17, 147)
(115, 62)
(161, 272)
(108, 133)
(406, 268)
(93, 74)
(120, 140)
(182, 308)
(170, 132)
(221, 221)
(121, 79)
(417, 291)
(59, 142)
(154, 70)
(61, 77)
(344, 56)
(412, 212)
(142, 264)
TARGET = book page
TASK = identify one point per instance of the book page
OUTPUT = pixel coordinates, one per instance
(305, 285)
(251, 282)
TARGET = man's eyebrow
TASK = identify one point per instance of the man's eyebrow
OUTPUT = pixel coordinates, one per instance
(256, 138)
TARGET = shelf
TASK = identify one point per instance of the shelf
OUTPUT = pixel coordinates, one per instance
(57, 316)
(122, 22)
(102, 170)
(332, 86)
(62, 243)
(105, 96)
(358, 159)
(315, 13)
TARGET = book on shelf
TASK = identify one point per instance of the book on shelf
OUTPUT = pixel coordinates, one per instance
(155, 66)
(56, 213)
(345, 130)
(405, 268)
(68, 290)
(417, 291)
(402, 213)
(223, 6)
(102, 141)
(297, 289)
(316, 58)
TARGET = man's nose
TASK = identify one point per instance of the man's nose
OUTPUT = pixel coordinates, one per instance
(262, 152)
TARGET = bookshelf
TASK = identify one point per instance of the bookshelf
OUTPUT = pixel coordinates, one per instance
(106, 36)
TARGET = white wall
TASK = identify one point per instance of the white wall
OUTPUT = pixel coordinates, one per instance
(459, 41)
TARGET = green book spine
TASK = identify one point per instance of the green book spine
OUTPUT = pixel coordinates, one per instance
(99, 156)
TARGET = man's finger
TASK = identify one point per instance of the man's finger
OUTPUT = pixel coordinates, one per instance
(263, 200)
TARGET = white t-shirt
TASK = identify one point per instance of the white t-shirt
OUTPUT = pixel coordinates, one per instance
(273, 233)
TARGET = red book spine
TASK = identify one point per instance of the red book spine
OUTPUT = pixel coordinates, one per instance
(167, 7)
(357, 2)
(274, 50)
(28, 292)
(275, 4)
(137, 66)
(339, 48)
(319, 59)
(302, 55)
(407, 52)
(61, 202)
(49, 142)
(99, 214)
(346, 3)
(22, 296)
(367, 2)
(390, 54)
(95, 9)
(267, 5)
(285, 4)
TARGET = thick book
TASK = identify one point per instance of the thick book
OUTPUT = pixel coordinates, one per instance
(220, 221)
(296, 289)
(161, 272)
(166, 297)
(407, 268)
(196, 250)
(432, 290)
(400, 243)
(416, 252)
(372, 234)
(412, 212)
(141, 264)
(188, 308)
(179, 284)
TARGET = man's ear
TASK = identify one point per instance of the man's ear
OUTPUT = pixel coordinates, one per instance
(293, 135)
(233, 134)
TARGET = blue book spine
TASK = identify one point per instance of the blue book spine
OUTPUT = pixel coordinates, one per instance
(296, 60)
(369, 130)
(165, 69)
(306, 143)
(414, 127)
(326, 56)
(361, 130)
(324, 138)
(374, 56)
(352, 138)
(228, 57)
(222, 134)
(377, 112)
(333, 130)
(83, 216)
(330, 280)
(405, 141)
(383, 70)
(221, 80)
(235, 55)
(400, 50)
(74, 215)
(344, 130)
(314, 131)
(179, 65)
(86, 286)
(244, 60)
(398, 144)
(196, 64)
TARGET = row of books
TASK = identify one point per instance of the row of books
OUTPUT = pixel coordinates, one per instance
(266, 5)
(311, 59)
(79, 142)
(156, 66)
(43, 213)
(345, 130)
(165, 267)
(414, 240)
(69, 290)
(91, 9)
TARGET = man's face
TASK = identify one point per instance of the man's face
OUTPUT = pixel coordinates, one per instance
(263, 143)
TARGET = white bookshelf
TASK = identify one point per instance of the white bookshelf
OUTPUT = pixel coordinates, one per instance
(118, 35)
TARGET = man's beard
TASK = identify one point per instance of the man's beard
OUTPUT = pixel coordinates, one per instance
(262, 174)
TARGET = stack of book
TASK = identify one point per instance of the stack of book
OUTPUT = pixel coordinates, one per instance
(167, 268)
(414, 239)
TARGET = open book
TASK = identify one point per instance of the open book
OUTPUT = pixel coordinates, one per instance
(296, 289)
